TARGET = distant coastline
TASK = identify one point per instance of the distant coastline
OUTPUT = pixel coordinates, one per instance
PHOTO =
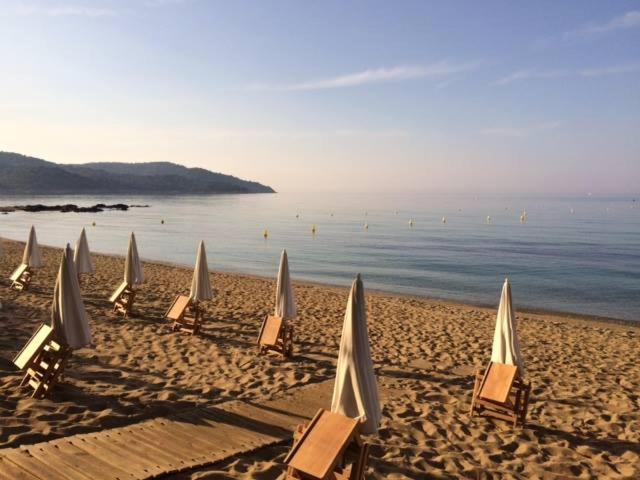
(23, 175)
(67, 208)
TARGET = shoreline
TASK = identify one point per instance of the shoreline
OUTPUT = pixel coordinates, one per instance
(568, 316)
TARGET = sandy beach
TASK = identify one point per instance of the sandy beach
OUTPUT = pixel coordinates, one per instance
(584, 417)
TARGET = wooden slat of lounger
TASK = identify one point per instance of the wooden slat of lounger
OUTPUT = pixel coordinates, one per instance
(130, 456)
(33, 346)
(498, 381)
(323, 442)
(271, 330)
(27, 462)
(118, 292)
(17, 273)
(11, 471)
(77, 460)
(178, 308)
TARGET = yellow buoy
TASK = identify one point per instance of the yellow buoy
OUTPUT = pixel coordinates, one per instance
(265, 234)
(366, 226)
(162, 222)
(93, 224)
(313, 229)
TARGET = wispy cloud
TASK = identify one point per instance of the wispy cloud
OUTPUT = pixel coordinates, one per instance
(371, 76)
(304, 134)
(628, 20)
(64, 11)
(530, 74)
(611, 70)
(162, 3)
(520, 132)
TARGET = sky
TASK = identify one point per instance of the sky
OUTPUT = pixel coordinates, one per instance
(427, 96)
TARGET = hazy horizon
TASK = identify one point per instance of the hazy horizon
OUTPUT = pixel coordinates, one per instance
(491, 99)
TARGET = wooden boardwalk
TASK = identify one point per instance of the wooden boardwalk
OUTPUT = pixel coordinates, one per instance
(157, 447)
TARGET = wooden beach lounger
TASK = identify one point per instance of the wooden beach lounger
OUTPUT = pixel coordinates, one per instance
(320, 448)
(21, 277)
(276, 335)
(123, 298)
(185, 315)
(44, 360)
(500, 393)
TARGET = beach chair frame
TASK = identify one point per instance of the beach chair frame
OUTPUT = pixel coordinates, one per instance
(47, 368)
(123, 299)
(513, 409)
(354, 447)
(283, 344)
(186, 314)
(21, 278)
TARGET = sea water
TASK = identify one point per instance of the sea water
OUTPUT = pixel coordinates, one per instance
(579, 255)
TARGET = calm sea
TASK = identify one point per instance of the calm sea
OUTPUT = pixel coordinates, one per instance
(573, 255)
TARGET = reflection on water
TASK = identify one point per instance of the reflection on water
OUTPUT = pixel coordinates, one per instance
(576, 255)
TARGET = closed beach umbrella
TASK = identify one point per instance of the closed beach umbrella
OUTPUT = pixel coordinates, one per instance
(285, 300)
(201, 285)
(32, 256)
(68, 315)
(506, 348)
(82, 255)
(355, 392)
(132, 266)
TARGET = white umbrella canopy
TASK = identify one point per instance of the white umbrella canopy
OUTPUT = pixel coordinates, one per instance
(132, 267)
(82, 255)
(68, 315)
(201, 284)
(506, 347)
(32, 255)
(285, 299)
(355, 392)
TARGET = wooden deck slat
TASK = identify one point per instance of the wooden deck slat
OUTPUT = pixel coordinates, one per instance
(136, 438)
(199, 436)
(11, 471)
(141, 468)
(161, 446)
(168, 437)
(76, 459)
(232, 437)
(105, 456)
(27, 462)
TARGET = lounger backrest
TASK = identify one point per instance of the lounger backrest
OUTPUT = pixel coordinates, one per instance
(325, 439)
(270, 330)
(17, 273)
(497, 382)
(123, 286)
(178, 307)
(35, 344)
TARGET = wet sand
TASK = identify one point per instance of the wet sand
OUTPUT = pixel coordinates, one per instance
(584, 417)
